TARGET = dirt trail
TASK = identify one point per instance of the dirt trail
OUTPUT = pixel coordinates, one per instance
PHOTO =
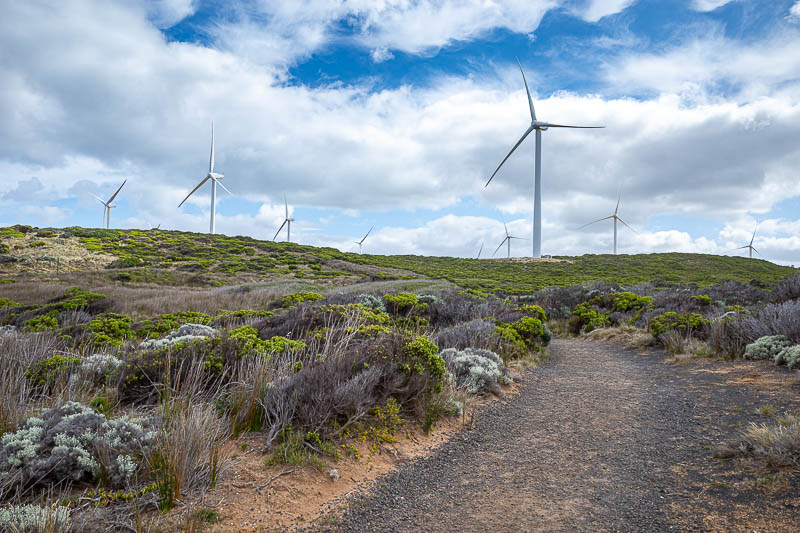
(599, 438)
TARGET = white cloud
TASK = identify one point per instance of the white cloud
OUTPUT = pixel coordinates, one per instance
(709, 5)
(794, 13)
(597, 9)
(379, 55)
(167, 13)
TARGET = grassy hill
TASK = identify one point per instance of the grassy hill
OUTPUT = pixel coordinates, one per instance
(180, 258)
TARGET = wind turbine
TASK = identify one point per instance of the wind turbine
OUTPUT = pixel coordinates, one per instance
(506, 240)
(214, 177)
(539, 127)
(107, 205)
(616, 218)
(288, 223)
(749, 246)
(361, 242)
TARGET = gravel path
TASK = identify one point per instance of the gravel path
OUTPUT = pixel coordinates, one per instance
(599, 438)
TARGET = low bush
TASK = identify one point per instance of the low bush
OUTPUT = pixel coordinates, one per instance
(475, 333)
(777, 446)
(687, 323)
(766, 348)
(292, 300)
(477, 371)
(789, 355)
(34, 518)
(111, 329)
(773, 319)
(72, 443)
(404, 303)
(46, 372)
(785, 290)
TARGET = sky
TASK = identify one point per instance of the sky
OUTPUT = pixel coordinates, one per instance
(394, 113)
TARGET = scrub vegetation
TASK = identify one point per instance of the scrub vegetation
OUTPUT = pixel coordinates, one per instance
(123, 382)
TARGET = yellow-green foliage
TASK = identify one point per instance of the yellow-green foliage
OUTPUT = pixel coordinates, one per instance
(517, 338)
(386, 421)
(249, 342)
(702, 299)
(111, 328)
(364, 314)
(590, 318)
(44, 372)
(5, 302)
(421, 355)
(404, 303)
(534, 311)
(372, 331)
(626, 301)
(292, 300)
(44, 322)
(677, 321)
(161, 325)
(77, 298)
(11, 233)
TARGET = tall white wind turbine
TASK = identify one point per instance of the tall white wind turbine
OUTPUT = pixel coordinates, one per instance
(749, 246)
(288, 223)
(361, 242)
(214, 177)
(616, 218)
(107, 205)
(539, 127)
(506, 241)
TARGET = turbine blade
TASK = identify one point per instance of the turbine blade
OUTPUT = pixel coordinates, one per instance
(506, 227)
(116, 193)
(618, 199)
(530, 101)
(527, 132)
(756, 251)
(99, 199)
(739, 248)
(365, 236)
(548, 125)
(630, 228)
(593, 221)
(754, 235)
(499, 246)
(193, 190)
(479, 251)
(279, 229)
(223, 187)
(211, 159)
(286, 205)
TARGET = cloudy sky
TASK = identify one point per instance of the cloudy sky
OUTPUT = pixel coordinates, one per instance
(393, 113)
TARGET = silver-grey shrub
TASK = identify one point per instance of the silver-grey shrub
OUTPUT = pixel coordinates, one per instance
(372, 301)
(185, 333)
(773, 319)
(71, 443)
(33, 518)
(472, 334)
(790, 356)
(766, 348)
(477, 371)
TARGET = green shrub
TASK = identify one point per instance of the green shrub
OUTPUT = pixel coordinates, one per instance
(292, 300)
(111, 328)
(44, 372)
(702, 299)
(44, 322)
(766, 348)
(250, 343)
(590, 318)
(45, 233)
(683, 322)
(125, 262)
(37, 244)
(534, 311)
(5, 302)
(4, 248)
(404, 303)
(421, 355)
(161, 325)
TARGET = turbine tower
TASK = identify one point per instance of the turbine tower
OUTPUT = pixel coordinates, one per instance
(616, 218)
(539, 127)
(288, 223)
(749, 246)
(214, 177)
(361, 242)
(506, 241)
(107, 205)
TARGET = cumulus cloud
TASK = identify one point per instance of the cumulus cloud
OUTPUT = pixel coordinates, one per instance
(594, 10)
(794, 13)
(379, 55)
(96, 94)
(167, 13)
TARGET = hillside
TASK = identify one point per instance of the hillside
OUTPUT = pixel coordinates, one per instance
(179, 258)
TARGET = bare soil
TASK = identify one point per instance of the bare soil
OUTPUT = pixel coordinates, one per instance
(599, 438)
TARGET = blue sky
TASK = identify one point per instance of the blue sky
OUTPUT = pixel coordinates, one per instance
(394, 114)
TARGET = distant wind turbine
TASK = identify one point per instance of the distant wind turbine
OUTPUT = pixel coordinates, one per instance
(616, 218)
(537, 193)
(288, 223)
(214, 177)
(481, 249)
(506, 241)
(361, 242)
(749, 246)
(107, 205)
